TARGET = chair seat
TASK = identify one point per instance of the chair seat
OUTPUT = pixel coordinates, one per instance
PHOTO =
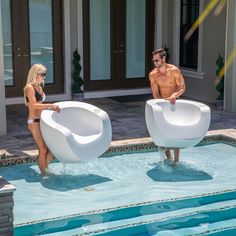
(183, 124)
(79, 132)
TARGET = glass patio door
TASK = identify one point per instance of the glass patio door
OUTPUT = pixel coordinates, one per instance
(29, 30)
(118, 42)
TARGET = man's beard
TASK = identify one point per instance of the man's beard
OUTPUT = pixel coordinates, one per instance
(159, 65)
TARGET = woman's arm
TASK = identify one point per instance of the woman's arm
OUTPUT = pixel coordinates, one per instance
(33, 104)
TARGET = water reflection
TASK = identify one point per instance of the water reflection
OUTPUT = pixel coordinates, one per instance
(180, 172)
(69, 182)
(58, 179)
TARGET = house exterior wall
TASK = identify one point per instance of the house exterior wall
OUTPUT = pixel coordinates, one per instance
(164, 25)
(73, 25)
(168, 13)
(213, 43)
(200, 83)
(70, 29)
(73, 39)
(3, 128)
(230, 45)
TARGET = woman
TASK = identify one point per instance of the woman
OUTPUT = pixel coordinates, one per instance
(34, 97)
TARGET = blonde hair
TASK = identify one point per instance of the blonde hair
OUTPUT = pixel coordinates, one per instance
(35, 70)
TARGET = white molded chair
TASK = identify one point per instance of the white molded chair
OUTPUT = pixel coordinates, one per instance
(183, 124)
(80, 132)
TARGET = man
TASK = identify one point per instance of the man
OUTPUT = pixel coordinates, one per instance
(166, 82)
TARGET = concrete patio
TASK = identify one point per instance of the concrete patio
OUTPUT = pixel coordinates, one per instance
(127, 119)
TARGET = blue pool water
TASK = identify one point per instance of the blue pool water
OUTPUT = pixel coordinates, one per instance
(131, 194)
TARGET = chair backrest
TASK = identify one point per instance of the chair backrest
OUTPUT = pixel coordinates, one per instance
(79, 120)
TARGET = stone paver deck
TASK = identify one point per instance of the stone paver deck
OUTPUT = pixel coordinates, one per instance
(127, 119)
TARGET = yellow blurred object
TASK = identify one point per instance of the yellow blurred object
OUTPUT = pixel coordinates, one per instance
(220, 7)
(228, 63)
(201, 18)
(217, 81)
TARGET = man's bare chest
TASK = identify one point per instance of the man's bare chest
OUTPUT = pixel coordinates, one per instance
(165, 79)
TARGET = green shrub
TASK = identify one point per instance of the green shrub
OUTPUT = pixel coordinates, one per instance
(77, 80)
(220, 81)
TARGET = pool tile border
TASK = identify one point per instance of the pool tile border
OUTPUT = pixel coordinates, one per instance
(124, 146)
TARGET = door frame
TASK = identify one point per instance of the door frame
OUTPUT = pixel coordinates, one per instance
(118, 18)
(20, 33)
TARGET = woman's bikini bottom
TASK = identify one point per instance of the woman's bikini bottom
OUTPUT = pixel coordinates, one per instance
(31, 121)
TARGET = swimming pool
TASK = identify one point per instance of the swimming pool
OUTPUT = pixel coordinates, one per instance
(130, 194)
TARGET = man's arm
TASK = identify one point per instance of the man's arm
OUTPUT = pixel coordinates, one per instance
(154, 86)
(179, 80)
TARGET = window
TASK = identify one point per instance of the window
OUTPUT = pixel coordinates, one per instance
(188, 57)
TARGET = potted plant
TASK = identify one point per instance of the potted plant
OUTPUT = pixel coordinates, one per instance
(219, 83)
(77, 80)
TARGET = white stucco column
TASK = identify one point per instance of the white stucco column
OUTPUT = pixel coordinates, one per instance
(158, 24)
(230, 44)
(3, 126)
(80, 34)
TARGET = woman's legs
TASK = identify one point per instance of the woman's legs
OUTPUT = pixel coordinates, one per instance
(176, 155)
(42, 148)
(168, 154)
(48, 158)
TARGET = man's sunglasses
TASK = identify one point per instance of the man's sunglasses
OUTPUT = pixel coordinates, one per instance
(155, 61)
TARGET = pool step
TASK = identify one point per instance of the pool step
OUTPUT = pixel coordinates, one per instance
(191, 220)
(221, 228)
(181, 223)
(226, 228)
(188, 218)
(102, 220)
